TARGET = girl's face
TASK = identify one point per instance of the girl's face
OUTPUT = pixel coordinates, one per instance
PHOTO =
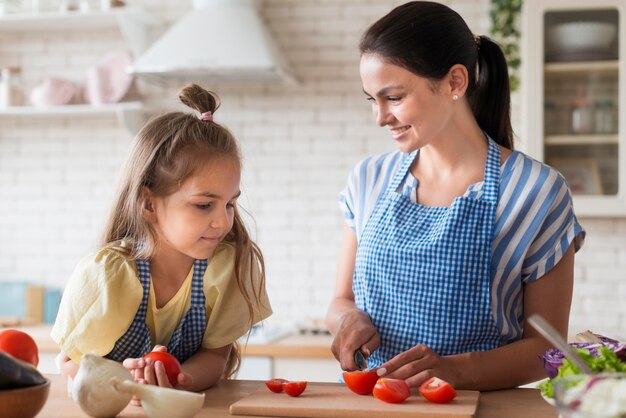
(405, 102)
(197, 217)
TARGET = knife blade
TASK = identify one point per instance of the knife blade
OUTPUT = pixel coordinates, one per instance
(359, 359)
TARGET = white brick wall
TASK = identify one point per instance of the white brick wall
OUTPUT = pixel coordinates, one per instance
(57, 175)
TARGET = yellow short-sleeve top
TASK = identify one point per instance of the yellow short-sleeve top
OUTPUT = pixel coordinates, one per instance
(103, 294)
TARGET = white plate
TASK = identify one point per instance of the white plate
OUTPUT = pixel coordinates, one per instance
(581, 35)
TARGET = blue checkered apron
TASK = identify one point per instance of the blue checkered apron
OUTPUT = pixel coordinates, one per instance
(423, 273)
(187, 337)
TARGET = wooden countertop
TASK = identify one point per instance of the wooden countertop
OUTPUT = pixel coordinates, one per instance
(294, 346)
(513, 403)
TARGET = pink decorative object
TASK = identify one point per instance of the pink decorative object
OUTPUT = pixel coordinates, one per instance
(55, 92)
(108, 82)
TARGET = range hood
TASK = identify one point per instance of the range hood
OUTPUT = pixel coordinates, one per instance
(218, 39)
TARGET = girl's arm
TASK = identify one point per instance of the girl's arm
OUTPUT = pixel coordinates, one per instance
(508, 366)
(206, 367)
(66, 366)
(351, 326)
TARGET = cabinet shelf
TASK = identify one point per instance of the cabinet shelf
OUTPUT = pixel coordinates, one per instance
(581, 67)
(582, 139)
(133, 23)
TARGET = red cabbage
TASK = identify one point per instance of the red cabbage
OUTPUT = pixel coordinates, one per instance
(553, 358)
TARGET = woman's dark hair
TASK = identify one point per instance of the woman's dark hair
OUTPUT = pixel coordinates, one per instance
(427, 39)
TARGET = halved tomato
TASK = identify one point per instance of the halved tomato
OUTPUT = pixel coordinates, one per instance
(294, 388)
(391, 390)
(275, 385)
(437, 390)
(361, 382)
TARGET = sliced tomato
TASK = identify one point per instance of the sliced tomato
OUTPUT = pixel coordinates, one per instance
(171, 364)
(361, 382)
(391, 390)
(294, 388)
(437, 390)
(275, 385)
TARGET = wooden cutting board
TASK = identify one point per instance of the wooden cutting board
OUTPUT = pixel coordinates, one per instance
(325, 400)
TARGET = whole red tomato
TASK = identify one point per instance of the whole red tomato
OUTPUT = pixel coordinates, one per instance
(275, 385)
(20, 345)
(171, 364)
(294, 388)
(391, 390)
(437, 390)
(361, 382)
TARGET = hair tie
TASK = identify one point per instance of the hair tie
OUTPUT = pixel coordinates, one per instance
(477, 42)
(207, 116)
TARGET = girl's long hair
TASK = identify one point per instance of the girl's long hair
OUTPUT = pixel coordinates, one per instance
(168, 149)
(428, 38)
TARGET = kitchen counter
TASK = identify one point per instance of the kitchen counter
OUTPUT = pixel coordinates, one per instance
(513, 403)
(291, 356)
(291, 346)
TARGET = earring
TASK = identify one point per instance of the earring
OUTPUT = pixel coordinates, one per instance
(455, 97)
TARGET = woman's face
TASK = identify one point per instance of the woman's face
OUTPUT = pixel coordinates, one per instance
(407, 104)
(196, 218)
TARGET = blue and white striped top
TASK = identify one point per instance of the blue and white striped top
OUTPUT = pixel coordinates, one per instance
(535, 224)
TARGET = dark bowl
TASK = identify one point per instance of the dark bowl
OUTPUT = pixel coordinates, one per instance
(23, 402)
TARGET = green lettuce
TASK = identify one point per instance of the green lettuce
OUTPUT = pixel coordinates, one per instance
(606, 361)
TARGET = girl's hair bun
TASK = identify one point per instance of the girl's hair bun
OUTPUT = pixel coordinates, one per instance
(198, 98)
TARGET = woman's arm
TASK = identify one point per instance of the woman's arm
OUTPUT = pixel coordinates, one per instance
(351, 326)
(508, 366)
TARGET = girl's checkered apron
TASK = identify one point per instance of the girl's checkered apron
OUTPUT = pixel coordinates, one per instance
(187, 337)
(423, 273)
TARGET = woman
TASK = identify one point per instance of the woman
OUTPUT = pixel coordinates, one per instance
(453, 240)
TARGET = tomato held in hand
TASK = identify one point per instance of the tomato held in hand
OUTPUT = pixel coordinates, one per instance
(391, 390)
(20, 345)
(437, 390)
(361, 382)
(275, 385)
(171, 364)
(294, 388)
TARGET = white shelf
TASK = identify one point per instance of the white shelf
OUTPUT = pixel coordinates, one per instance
(133, 23)
(581, 67)
(74, 20)
(69, 110)
(129, 114)
(582, 139)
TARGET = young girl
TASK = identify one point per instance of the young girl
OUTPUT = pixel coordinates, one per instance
(454, 239)
(177, 270)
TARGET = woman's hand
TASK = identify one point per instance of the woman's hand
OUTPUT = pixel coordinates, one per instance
(419, 364)
(355, 331)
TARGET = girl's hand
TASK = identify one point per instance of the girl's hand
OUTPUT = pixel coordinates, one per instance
(136, 365)
(146, 372)
(419, 364)
(154, 374)
(355, 332)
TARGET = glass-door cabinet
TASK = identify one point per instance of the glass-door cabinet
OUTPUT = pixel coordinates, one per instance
(574, 97)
